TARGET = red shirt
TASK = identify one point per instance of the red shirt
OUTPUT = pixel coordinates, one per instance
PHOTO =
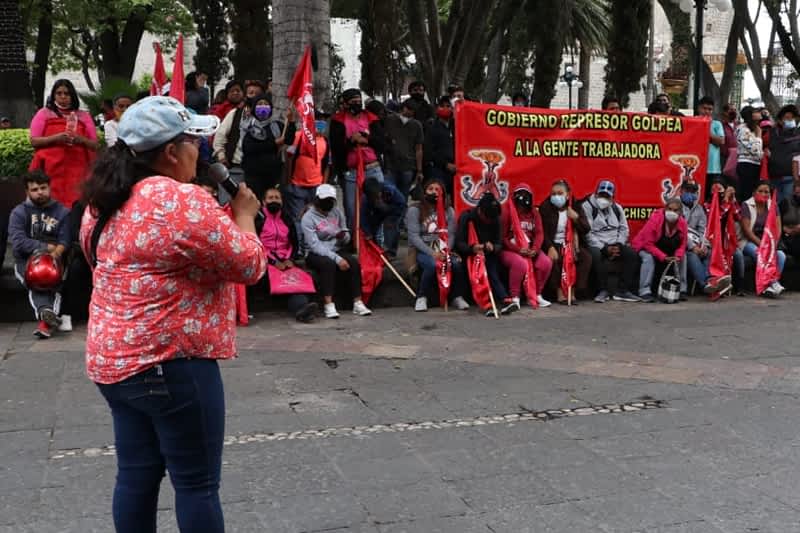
(531, 223)
(164, 281)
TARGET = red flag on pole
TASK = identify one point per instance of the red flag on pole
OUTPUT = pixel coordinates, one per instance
(301, 95)
(177, 87)
(369, 256)
(731, 239)
(767, 264)
(568, 274)
(159, 74)
(529, 281)
(443, 268)
(717, 265)
(478, 278)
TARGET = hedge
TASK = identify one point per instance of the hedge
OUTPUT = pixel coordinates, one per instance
(16, 152)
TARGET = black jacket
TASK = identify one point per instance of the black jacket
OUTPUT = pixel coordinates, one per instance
(486, 232)
(340, 145)
(439, 145)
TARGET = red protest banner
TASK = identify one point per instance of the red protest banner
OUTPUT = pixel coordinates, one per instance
(647, 156)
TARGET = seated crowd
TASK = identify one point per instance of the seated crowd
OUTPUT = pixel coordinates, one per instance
(407, 152)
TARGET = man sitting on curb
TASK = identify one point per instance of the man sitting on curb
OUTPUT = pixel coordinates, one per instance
(39, 224)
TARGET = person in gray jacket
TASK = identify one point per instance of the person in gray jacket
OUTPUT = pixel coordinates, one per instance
(608, 242)
(425, 238)
(325, 233)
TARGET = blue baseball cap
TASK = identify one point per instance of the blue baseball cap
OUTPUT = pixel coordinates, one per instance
(604, 187)
(156, 120)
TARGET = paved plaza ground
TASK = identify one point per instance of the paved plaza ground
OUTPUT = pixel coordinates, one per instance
(600, 418)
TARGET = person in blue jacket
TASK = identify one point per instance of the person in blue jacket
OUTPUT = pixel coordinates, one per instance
(382, 207)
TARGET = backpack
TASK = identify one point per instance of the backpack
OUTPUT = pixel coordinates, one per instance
(782, 148)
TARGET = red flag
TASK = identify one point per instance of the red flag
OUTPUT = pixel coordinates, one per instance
(443, 268)
(300, 93)
(478, 278)
(369, 256)
(159, 74)
(731, 239)
(529, 281)
(718, 266)
(568, 274)
(177, 88)
(767, 264)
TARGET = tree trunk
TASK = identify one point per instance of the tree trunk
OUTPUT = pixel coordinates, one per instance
(585, 73)
(752, 49)
(42, 54)
(252, 38)
(212, 39)
(16, 98)
(494, 69)
(119, 52)
(295, 24)
(789, 38)
(549, 48)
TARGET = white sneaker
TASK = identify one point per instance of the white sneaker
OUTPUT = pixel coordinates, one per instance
(542, 302)
(330, 311)
(460, 303)
(780, 288)
(421, 304)
(360, 309)
(66, 323)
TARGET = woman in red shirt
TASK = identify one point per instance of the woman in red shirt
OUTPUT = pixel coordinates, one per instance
(162, 311)
(515, 255)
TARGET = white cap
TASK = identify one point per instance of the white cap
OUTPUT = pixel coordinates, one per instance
(326, 191)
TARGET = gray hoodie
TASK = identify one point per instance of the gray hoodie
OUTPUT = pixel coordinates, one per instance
(422, 234)
(606, 226)
(696, 220)
(320, 232)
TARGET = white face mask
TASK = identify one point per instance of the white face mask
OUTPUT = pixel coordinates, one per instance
(603, 203)
(671, 216)
(403, 119)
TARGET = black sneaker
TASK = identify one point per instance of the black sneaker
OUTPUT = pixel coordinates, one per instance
(626, 296)
(49, 317)
(307, 313)
(647, 298)
(509, 306)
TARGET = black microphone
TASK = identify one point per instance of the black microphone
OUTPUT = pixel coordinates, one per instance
(220, 175)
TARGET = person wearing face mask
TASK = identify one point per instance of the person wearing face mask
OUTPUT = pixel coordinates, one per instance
(65, 141)
(197, 95)
(754, 220)
(306, 174)
(728, 149)
(555, 211)
(440, 147)
(608, 242)
(424, 111)
(729, 207)
(784, 144)
(698, 249)
(515, 256)
(325, 234)
(749, 152)
(790, 216)
(705, 108)
(121, 103)
(519, 99)
(354, 133)
(279, 238)
(227, 142)
(263, 136)
(485, 218)
(382, 206)
(661, 241)
(424, 238)
(404, 148)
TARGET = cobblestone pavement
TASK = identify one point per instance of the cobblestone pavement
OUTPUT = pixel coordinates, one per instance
(599, 418)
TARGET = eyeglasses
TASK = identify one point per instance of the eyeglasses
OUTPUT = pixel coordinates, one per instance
(188, 139)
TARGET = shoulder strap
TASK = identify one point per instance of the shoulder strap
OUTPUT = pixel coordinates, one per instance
(96, 231)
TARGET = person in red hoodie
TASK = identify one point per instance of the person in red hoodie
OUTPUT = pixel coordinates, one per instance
(514, 255)
(661, 241)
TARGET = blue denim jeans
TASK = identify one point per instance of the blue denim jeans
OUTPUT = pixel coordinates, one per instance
(784, 186)
(171, 417)
(402, 181)
(427, 279)
(349, 189)
(699, 269)
(751, 250)
(295, 199)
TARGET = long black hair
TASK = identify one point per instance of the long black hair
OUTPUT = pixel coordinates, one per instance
(73, 94)
(747, 116)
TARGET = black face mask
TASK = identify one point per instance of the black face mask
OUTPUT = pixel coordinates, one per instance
(274, 207)
(523, 201)
(432, 198)
(326, 204)
(355, 108)
(418, 96)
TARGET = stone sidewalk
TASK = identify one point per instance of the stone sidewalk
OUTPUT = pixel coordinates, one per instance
(599, 418)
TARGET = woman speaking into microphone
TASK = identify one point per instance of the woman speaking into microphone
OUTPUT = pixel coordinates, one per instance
(162, 312)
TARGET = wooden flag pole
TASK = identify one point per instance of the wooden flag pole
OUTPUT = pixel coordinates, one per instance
(398, 276)
(494, 305)
(569, 296)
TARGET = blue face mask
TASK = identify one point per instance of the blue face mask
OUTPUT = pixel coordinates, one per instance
(558, 200)
(263, 112)
(320, 125)
(688, 198)
(789, 124)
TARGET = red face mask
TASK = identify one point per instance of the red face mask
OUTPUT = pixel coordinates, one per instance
(762, 197)
(443, 112)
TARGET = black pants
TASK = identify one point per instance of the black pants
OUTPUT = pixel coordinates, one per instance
(792, 245)
(749, 175)
(600, 263)
(327, 270)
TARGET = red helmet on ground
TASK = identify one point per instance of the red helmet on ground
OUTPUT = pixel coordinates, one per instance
(44, 272)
